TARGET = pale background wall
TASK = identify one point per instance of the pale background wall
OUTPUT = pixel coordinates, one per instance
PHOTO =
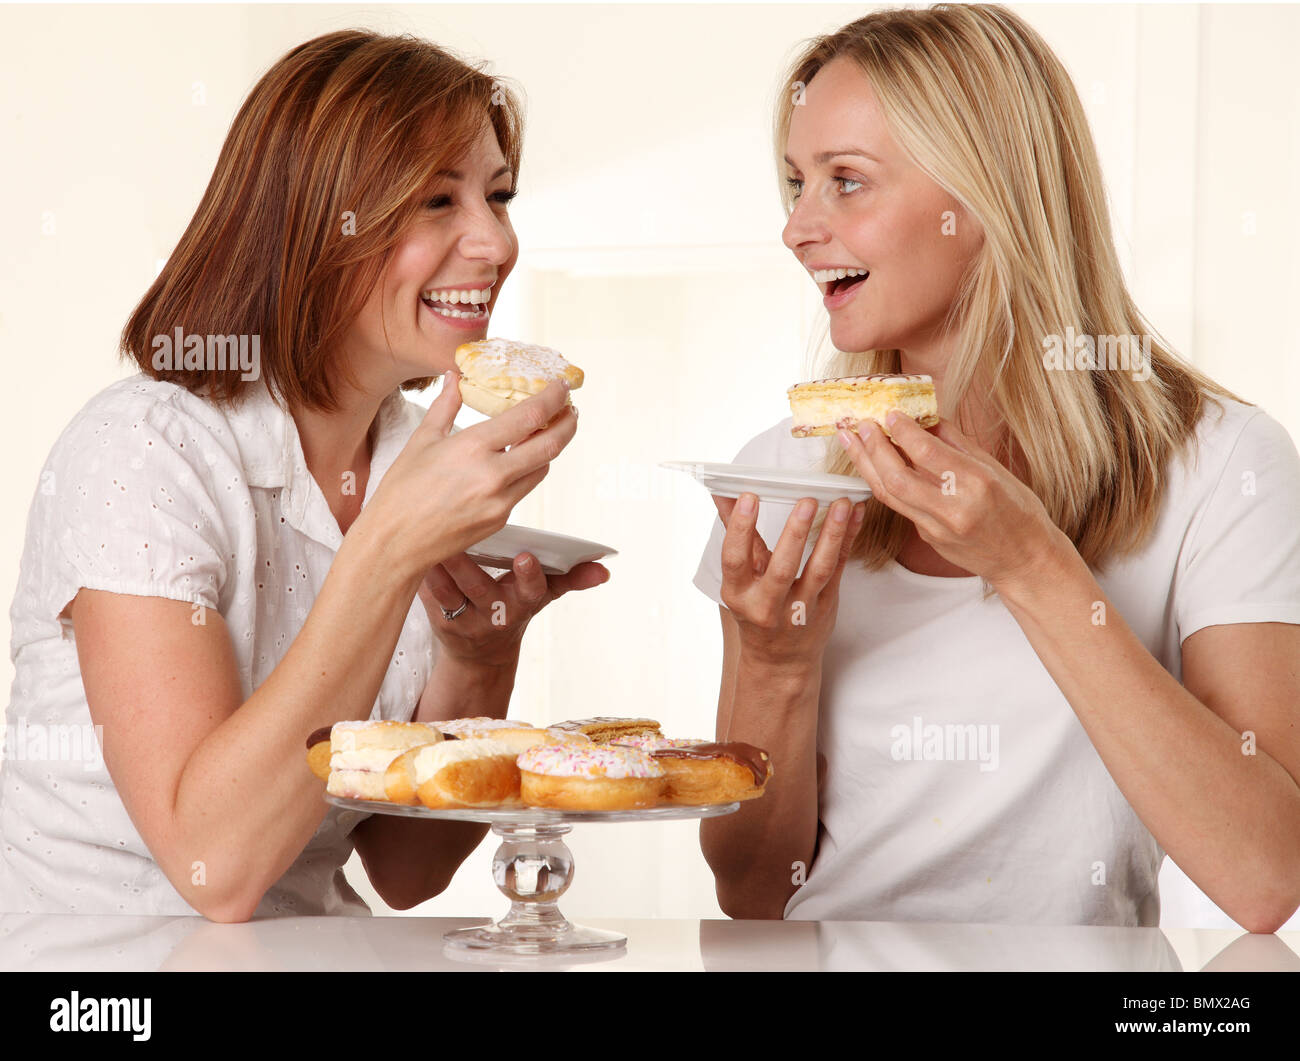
(651, 255)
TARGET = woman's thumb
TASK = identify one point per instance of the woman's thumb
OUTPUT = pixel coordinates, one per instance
(443, 409)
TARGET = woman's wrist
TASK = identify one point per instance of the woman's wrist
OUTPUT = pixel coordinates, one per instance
(1049, 569)
(780, 657)
(477, 673)
(463, 688)
(781, 673)
(375, 552)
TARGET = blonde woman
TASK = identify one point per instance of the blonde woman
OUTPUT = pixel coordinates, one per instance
(1062, 641)
(229, 551)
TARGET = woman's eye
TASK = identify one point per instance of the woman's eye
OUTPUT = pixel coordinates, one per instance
(440, 202)
(796, 186)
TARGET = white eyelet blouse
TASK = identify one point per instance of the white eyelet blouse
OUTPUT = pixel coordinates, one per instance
(154, 491)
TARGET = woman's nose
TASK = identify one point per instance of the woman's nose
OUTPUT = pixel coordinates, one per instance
(487, 236)
(805, 225)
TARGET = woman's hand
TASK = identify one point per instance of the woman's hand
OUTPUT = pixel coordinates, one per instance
(445, 492)
(962, 501)
(781, 618)
(497, 611)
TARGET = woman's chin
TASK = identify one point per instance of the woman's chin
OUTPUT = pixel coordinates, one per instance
(424, 364)
(855, 340)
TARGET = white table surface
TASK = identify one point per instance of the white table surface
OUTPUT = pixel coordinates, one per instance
(47, 942)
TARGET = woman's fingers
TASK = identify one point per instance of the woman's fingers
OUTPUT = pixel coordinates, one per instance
(528, 585)
(738, 567)
(725, 506)
(832, 548)
(521, 488)
(472, 582)
(444, 588)
(783, 568)
(542, 446)
(758, 550)
(443, 409)
(892, 482)
(584, 576)
(523, 420)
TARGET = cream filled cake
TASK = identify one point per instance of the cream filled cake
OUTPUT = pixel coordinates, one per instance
(360, 753)
(825, 406)
(499, 373)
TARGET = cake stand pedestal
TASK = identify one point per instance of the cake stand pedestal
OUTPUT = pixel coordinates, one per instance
(532, 868)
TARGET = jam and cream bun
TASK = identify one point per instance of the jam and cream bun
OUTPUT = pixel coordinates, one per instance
(714, 773)
(499, 373)
(825, 406)
(592, 777)
(361, 751)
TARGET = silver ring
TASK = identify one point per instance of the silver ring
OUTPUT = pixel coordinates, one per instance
(449, 616)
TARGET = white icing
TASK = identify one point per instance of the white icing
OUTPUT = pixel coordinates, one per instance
(505, 357)
(432, 758)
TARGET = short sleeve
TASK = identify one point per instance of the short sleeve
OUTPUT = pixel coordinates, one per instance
(129, 506)
(763, 450)
(1241, 561)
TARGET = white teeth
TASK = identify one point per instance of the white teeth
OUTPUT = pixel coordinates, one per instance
(474, 295)
(825, 276)
(460, 313)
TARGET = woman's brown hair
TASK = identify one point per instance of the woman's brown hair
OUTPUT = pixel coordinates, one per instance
(320, 175)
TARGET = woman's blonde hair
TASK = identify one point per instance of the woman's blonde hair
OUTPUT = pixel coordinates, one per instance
(987, 111)
(328, 163)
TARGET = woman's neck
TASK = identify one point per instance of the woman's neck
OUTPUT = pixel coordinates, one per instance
(337, 447)
(979, 417)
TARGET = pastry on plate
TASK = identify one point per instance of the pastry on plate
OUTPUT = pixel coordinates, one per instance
(459, 773)
(479, 726)
(496, 374)
(589, 777)
(825, 406)
(605, 729)
(361, 751)
(714, 772)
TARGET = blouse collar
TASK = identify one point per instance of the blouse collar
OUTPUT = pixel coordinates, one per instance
(272, 456)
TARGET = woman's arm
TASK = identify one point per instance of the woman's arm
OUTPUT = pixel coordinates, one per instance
(1226, 807)
(1230, 820)
(753, 852)
(775, 628)
(216, 786)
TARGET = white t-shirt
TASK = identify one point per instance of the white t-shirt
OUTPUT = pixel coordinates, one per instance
(1016, 820)
(153, 491)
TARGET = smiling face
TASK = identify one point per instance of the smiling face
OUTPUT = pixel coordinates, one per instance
(864, 207)
(444, 277)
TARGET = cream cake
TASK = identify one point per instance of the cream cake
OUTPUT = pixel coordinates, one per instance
(499, 373)
(825, 406)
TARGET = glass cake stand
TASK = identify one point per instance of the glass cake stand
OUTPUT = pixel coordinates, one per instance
(532, 868)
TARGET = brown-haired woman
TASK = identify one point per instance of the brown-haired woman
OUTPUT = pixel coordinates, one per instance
(943, 754)
(201, 584)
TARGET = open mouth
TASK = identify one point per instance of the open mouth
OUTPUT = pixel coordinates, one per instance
(838, 280)
(842, 284)
(468, 304)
